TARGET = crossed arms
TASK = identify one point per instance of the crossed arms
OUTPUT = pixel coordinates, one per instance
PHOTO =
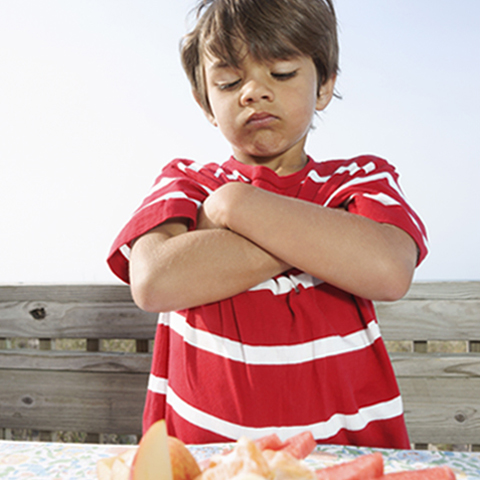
(246, 235)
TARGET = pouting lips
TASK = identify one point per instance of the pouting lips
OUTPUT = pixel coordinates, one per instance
(261, 118)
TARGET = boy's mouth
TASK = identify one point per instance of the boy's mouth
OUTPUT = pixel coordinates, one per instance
(261, 119)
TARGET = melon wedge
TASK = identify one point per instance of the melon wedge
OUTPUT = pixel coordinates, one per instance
(365, 467)
(432, 473)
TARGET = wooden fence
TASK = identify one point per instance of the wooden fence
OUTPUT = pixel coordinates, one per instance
(433, 336)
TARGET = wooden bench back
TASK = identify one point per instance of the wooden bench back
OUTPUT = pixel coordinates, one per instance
(440, 377)
(90, 391)
(95, 391)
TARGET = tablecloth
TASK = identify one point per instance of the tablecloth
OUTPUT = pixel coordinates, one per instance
(64, 461)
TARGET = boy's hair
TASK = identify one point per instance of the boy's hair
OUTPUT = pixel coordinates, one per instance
(270, 29)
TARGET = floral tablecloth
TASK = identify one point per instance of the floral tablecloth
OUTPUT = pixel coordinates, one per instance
(63, 461)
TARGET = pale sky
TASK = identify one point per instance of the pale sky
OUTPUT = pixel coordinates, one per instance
(93, 102)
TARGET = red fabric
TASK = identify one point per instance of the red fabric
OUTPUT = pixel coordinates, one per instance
(292, 354)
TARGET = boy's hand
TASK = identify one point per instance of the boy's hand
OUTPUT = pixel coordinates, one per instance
(214, 212)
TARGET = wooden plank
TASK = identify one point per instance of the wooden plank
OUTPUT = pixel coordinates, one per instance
(433, 311)
(439, 411)
(438, 365)
(76, 320)
(469, 290)
(65, 293)
(440, 396)
(425, 320)
(72, 311)
(430, 311)
(72, 401)
(62, 360)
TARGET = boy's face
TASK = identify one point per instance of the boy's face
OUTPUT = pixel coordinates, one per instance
(265, 109)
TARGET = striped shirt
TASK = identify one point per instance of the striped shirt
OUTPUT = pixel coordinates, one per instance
(291, 354)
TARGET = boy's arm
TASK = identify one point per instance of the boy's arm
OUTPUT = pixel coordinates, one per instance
(354, 253)
(172, 268)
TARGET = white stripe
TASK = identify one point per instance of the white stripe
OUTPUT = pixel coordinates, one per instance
(162, 183)
(389, 201)
(381, 198)
(157, 384)
(315, 177)
(378, 176)
(368, 179)
(321, 430)
(125, 251)
(235, 175)
(271, 355)
(353, 168)
(168, 196)
(167, 180)
(196, 167)
(284, 284)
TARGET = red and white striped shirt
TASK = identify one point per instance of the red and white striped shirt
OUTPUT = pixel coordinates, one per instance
(291, 354)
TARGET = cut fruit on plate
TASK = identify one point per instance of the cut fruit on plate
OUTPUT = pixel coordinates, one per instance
(184, 465)
(152, 461)
(433, 473)
(162, 457)
(362, 468)
(158, 457)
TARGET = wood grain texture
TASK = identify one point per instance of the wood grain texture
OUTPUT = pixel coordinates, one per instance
(439, 411)
(66, 361)
(90, 402)
(103, 392)
(86, 311)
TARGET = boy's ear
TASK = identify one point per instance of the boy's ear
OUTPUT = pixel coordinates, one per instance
(326, 93)
(209, 115)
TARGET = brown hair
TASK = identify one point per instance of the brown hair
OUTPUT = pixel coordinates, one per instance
(270, 29)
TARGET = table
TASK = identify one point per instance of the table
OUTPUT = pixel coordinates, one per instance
(68, 461)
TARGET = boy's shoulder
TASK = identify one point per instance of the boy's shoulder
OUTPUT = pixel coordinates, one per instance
(366, 163)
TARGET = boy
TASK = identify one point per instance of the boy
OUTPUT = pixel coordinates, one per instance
(265, 267)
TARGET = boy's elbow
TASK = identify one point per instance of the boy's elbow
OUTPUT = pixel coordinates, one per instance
(395, 270)
(148, 296)
(394, 283)
(143, 298)
(394, 291)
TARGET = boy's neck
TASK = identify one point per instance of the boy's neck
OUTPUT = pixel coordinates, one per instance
(282, 164)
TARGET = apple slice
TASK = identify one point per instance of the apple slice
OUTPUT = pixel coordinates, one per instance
(184, 465)
(152, 461)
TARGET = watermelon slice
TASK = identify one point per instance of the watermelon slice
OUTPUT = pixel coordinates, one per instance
(301, 445)
(362, 468)
(269, 442)
(433, 473)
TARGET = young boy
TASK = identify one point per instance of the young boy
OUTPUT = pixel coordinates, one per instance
(265, 267)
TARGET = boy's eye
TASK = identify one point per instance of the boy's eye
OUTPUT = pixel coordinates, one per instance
(229, 85)
(284, 76)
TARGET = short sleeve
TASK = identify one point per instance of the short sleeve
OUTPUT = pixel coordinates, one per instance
(178, 192)
(374, 192)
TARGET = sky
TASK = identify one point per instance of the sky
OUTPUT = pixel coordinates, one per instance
(93, 102)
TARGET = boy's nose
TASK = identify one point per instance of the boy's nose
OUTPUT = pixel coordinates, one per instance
(255, 91)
